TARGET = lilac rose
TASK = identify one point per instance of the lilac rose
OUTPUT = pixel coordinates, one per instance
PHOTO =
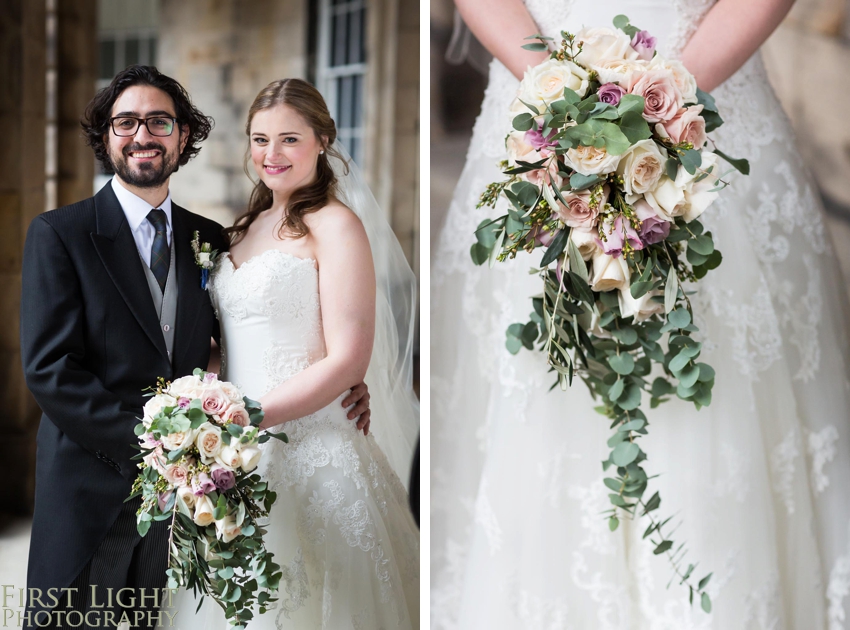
(644, 45)
(653, 229)
(535, 138)
(222, 478)
(617, 235)
(184, 402)
(202, 484)
(162, 499)
(610, 93)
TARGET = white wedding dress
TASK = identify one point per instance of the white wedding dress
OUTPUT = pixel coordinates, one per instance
(759, 480)
(341, 528)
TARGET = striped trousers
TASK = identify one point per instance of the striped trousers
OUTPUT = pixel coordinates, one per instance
(124, 579)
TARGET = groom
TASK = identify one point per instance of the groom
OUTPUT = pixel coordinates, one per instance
(111, 300)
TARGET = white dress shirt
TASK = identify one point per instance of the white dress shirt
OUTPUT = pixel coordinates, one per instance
(136, 210)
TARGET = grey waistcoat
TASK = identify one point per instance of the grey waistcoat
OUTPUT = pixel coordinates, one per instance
(166, 305)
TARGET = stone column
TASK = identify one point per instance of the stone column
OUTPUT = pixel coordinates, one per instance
(22, 126)
(76, 73)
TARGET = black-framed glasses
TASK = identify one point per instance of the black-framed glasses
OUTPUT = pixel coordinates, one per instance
(128, 126)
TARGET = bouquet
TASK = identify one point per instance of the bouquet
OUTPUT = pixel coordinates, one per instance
(198, 441)
(609, 169)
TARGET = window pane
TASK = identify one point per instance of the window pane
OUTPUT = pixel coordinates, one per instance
(354, 40)
(131, 51)
(357, 115)
(339, 40)
(344, 98)
(107, 59)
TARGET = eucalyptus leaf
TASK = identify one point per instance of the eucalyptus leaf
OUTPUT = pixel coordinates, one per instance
(688, 376)
(622, 363)
(625, 453)
(702, 245)
(691, 160)
(634, 127)
(523, 122)
(679, 318)
(581, 182)
(631, 103)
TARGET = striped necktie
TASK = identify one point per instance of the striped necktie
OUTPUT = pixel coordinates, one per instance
(160, 254)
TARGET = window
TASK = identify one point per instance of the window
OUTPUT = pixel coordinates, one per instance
(119, 50)
(341, 68)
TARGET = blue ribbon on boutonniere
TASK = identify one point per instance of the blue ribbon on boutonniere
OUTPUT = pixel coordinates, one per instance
(204, 257)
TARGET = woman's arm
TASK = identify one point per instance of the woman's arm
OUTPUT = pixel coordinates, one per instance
(728, 36)
(214, 364)
(502, 26)
(347, 298)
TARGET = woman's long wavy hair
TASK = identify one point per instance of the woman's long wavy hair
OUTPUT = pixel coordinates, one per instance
(308, 102)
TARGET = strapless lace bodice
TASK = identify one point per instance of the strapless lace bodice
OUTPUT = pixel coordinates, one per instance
(271, 321)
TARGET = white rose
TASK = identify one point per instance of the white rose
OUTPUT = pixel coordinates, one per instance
(641, 308)
(156, 404)
(684, 80)
(229, 456)
(585, 240)
(231, 391)
(609, 273)
(185, 494)
(642, 166)
(603, 43)
(697, 195)
(249, 457)
(591, 161)
(204, 257)
(545, 83)
(619, 70)
(226, 529)
(178, 440)
(667, 198)
(203, 511)
(209, 442)
(187, 386)
(518, 148)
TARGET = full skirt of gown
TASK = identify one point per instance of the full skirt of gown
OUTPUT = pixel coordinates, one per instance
(759, 480)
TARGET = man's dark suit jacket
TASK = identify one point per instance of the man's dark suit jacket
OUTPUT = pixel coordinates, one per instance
(90, 343)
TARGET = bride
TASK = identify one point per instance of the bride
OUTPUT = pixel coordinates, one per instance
(296, 299)
(758, 480)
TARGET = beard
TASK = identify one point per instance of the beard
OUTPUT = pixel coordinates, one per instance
(146, 174)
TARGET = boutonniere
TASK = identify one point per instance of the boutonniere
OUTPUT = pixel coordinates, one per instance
(204, 257)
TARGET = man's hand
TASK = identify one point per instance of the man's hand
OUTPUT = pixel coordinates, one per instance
(359, 397)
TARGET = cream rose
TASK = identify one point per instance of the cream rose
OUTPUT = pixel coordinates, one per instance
(685, 81)
(641, 308)
(591, 161)
(686, 126)
(603, 43)
(229, 456)
(203, 511)
(188, 386)
(546, 82)
(249, 457)
(642, 166)
(697, 194)
(231, 391)
(585, 240)
(178, 440)
(620, 71)
(667, 198)
(226, 529)
(185, 494)
(208, 441)
(156, 404)
(609, 273)
(156, 458)
(237, 414)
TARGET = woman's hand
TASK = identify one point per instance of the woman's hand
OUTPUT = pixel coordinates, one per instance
(502, 26)
(729, 35)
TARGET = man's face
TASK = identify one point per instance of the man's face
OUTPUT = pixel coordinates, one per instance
(145, 160)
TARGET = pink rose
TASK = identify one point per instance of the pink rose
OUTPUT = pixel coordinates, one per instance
(663, 98)
(176, 474)
(686, 126)
(653, 229)
(610, 93)
(156, 458)
(214, 402)
(582, 209)
(617, 235)
(644, 45)
(147, 440)
(237, 415)
(162, 499)
(202, 484)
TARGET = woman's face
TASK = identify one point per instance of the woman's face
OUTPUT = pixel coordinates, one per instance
(284, 149)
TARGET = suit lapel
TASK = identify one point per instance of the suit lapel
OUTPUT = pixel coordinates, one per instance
(118, 252)
(191, 298)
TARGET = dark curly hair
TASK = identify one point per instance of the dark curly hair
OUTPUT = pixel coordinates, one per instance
(95, 122)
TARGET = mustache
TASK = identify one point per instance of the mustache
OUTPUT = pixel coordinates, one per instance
(151, 146)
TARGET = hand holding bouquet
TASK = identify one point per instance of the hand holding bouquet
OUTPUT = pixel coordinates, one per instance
(198, 441)
(609, 169)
